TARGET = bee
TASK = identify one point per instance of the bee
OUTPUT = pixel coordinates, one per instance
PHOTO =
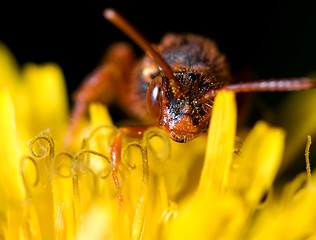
(173, 86)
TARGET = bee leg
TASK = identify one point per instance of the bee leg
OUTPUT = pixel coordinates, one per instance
(115, 152)
(105, 84)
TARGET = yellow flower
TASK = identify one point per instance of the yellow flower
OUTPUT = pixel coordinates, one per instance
(203, 189)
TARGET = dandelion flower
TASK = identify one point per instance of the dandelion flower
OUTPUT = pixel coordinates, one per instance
(161, 189)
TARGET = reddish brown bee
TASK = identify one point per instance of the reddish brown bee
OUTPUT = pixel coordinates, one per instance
(173, 86)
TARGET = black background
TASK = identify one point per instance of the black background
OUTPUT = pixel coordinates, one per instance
(270, 38)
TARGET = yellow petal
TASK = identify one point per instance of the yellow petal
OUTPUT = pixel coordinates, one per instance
(102, 222)
(100, 115)
(11, 152)
(182, 170)
(259, 160)
(11, 191)
(292, 216)
(209, 218)
(45, 92)
(220, 144)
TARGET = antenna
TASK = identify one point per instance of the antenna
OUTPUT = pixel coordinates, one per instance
(120, 22)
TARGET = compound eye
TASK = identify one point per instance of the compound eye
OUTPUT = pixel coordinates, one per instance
(154, 98)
